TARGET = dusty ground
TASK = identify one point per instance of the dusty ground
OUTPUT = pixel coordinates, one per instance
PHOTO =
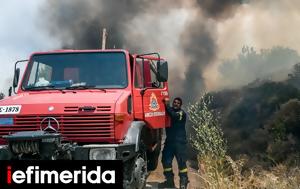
(157, 177)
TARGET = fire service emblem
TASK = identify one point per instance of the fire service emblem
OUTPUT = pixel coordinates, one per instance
(153, 103)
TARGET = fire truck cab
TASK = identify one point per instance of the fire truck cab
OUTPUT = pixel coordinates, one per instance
(88, 105)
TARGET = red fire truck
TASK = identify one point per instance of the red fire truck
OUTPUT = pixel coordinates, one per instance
(88, 105)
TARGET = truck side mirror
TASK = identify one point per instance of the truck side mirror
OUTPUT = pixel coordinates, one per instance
(16, 77)
(162, 71)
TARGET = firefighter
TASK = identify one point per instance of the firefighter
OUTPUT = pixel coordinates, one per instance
(175, 145)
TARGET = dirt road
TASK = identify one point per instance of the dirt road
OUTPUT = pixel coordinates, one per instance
(157, 177)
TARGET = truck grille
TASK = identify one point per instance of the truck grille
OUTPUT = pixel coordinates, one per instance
(98, 108)
(81, 128)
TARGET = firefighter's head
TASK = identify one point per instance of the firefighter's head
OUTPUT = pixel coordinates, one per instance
(177, 103)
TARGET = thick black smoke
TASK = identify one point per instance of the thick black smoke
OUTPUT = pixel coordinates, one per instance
(217, 9)
(200, 49)
(199, 43)
(78, 25)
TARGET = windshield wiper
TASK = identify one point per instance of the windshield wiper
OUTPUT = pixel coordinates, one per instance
(84, 87)
(40, 88)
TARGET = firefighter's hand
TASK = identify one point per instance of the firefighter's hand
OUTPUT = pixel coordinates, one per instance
(166, 101)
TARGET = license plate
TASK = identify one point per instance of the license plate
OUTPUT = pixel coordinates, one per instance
(15, 109)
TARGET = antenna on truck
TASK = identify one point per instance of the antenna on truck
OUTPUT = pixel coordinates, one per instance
(104, 36)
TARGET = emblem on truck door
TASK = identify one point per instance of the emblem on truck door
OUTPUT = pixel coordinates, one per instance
(49, 124)
(153, 103)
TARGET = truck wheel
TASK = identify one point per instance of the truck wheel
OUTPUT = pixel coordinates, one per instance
(138, 173)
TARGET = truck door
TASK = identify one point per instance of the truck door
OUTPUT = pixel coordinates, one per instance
(149, 94)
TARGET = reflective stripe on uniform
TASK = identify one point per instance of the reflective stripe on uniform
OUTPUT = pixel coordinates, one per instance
(167, 169)
(183, 170)
(180, 114)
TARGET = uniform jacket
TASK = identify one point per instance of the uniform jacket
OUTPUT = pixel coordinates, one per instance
(176, 133)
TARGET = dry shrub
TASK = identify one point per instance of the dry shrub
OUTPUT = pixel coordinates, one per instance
(207, 136)
(219, 171)
(229, 174)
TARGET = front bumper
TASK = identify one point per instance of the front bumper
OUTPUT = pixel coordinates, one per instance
(122, 152)
(44, 146)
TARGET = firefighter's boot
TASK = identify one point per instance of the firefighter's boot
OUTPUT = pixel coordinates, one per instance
(169, 183)
(183, 182)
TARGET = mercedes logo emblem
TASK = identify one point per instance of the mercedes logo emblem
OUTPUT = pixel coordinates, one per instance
(50, 108)
(49, 124)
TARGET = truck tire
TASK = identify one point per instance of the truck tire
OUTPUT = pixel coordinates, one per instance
(135, 172)
(140, 173)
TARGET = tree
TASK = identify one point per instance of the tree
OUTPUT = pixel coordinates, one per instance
(285, 130)
(294, 77)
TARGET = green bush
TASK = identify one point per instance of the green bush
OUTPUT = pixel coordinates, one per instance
(207, 136)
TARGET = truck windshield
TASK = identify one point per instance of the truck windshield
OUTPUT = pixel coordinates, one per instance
(102, 70)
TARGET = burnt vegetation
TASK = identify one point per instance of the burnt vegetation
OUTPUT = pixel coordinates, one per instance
(261, 120)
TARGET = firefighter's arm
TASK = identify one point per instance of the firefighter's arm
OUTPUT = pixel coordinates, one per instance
(174, 115)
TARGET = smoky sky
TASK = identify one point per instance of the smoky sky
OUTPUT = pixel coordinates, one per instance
(200, 48)
(218, 9)
(20, 36)
(201, 33)
(199, 44)
(78, 24)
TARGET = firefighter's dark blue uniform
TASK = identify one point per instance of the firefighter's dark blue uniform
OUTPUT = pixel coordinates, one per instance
(175, 143)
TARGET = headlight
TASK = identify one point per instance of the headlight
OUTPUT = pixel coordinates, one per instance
(6, 121)
(103, 154)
